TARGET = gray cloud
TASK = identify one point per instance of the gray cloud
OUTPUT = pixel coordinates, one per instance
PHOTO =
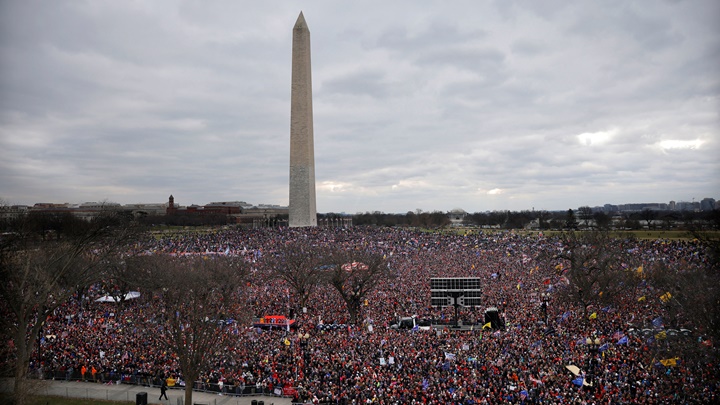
(511, 105)
(367, 83)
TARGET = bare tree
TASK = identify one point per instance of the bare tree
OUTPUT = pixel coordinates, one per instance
(570, 220)
(585, 213)
(192, 300)
(596, 268)
(690, 298)
(709, 238)
(602, 220)
(542, 217)
(298, 264)
(122, 273)
(693, 290)
(39, 274)
(354, 274)
(648, 216)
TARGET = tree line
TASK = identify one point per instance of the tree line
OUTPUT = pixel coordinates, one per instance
(582, 218)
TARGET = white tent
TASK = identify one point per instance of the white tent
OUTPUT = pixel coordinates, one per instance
(129, 296)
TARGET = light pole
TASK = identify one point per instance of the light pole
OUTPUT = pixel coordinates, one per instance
(593, 347)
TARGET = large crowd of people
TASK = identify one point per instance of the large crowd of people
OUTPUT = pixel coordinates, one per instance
(370, 362)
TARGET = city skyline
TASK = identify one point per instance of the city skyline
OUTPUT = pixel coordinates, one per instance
(479, 106)
(704, 204)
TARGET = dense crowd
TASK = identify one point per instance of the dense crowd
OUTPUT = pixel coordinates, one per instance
(374, 363)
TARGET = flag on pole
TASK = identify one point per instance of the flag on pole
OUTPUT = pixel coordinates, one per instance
(487, 325)
(593, 315)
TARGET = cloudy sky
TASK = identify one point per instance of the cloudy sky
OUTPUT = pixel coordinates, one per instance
(432, 105)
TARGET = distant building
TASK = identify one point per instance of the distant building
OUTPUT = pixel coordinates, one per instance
(50, 206)
(239, 212)
(642, 206)
(707, 204)
(146, 209)
(90, 210)
(457, 216)
(610, 208)
(13, 211)
(86, 211)
(687, 206)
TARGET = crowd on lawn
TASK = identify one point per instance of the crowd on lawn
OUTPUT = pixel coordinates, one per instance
(373, 363)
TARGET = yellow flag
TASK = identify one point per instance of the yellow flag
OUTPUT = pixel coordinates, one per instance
(518, 286)
(487, 325)
(666, 297)
(641, 299)
(661, 335)
(287, 342)
(593, 315)
(600, 294)
(640, 270)
(669, 362)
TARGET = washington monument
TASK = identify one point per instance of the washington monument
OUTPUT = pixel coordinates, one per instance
(302, 210)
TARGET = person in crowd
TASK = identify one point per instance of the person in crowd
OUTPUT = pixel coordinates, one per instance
(163, 390)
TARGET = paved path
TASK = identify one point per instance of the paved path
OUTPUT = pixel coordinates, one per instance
(128, 393)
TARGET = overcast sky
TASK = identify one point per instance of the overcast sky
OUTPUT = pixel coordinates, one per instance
(432, 105)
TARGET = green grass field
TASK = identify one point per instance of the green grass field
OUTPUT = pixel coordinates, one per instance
(645, 234)
(642, 234)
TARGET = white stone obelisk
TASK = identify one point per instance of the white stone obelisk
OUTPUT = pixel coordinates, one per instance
(302, 209)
